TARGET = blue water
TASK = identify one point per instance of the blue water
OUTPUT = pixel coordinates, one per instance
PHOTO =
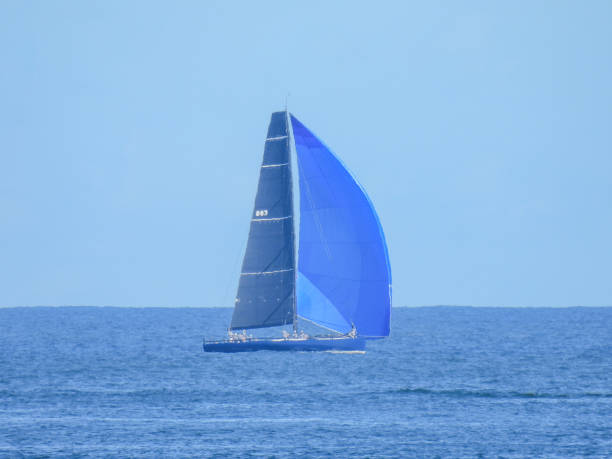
(449, 382)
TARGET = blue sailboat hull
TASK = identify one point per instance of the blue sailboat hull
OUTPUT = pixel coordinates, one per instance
(333, 344)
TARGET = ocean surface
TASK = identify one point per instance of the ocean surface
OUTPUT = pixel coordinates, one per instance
(449, 382)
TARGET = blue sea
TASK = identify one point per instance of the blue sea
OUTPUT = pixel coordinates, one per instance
(449, 382)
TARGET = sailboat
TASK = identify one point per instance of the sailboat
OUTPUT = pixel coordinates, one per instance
(321, 262)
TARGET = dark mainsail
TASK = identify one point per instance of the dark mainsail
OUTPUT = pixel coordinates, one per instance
(266, 290)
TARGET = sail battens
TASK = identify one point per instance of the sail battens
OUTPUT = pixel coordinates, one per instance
(279, 137)
(275, 165)
(271, 219)
(267, 272)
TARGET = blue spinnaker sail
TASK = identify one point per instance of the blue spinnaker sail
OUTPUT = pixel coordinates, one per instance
(266, 289)
(344, 276)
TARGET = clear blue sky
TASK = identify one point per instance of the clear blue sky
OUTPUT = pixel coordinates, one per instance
(131, 134)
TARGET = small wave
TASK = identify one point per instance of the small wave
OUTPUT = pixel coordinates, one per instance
(345, 352)
(463, 393)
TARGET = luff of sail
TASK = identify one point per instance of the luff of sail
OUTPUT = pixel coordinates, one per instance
(344, 276)
(266, 289)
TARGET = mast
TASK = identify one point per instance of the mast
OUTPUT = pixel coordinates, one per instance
(295, 251)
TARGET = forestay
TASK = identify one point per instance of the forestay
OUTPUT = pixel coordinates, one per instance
(266, 289)
(344, 277)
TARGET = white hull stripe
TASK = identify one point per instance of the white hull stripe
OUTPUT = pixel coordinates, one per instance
(274, 165)
(270, 219)
(277, 138)
(267, 272)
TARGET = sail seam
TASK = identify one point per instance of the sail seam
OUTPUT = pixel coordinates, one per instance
(266, 272)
